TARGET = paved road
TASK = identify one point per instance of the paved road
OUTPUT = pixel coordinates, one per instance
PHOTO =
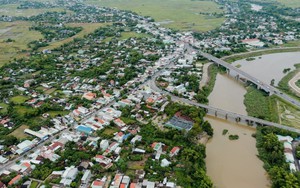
(258, 83)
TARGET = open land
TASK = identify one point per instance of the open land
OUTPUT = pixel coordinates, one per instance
(12, 10)
(177, 14)
(19, 32)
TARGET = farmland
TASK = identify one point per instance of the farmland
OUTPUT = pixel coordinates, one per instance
(21, 36)
(12, 10)
(176, 14)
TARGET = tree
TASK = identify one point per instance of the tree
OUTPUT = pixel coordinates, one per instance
(283, 179)
(207, 128)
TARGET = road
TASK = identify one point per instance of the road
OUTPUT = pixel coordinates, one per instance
(266, 87)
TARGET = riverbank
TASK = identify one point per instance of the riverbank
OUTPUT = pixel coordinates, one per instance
(232, 163)
(235, 57)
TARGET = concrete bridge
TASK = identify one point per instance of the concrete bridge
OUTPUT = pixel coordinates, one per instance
(245, 77)
(223, 114)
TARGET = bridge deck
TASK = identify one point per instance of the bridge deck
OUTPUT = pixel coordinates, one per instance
(268, 88)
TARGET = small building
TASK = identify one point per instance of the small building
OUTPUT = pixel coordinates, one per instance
(86, 176)
(174, 151)
(3, 159)
(15, 180)
(68, 176)
(84, 129)
(104, 144)
(99, 183)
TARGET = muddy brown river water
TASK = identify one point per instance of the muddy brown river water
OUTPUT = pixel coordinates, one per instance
(232, 164)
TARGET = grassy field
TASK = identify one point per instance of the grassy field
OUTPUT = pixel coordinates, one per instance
(19, 32)
(55, 113)
(50, 91)
(11, 10)
(259, 104)
(34, 184)
(295, 43)
(87, 28)
(19, 99)
(4, 107)
(110, 131)
(19, 132)
(178, 14)
(283, 84)
(290, 3)
(21, 110)
(288, 115)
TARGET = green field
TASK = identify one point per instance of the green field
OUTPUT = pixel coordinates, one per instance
(4, 107)
(261, 105)
(34, 184)
(178, 14)
(19, 132)
(110, 130)
(290, 3)
(288, 115)
(11, 10)
(55, 113)
(295, 43)
(19, 99)
(22, 110)
(19, 32)
(87, 28)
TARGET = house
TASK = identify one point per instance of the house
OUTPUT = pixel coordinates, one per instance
(125, 182)
(157, 146)
(117, 181)
(165, 163)
(119, 122)
(174, 151)
(103, 161)
(125, 102)
(3, 159)
(104, 144)
(135, 139)
(99, 183)
(119, 137)
(89, 96)
(15, 180)
(68, 176)
(49, 154)
(86, 176)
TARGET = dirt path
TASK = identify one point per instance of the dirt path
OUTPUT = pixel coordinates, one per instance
(205, 75)
(292, 83)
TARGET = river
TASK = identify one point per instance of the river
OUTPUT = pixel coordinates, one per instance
(271, 66)
(232, 164)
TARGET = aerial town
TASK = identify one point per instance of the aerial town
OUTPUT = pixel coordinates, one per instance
(134, 103)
